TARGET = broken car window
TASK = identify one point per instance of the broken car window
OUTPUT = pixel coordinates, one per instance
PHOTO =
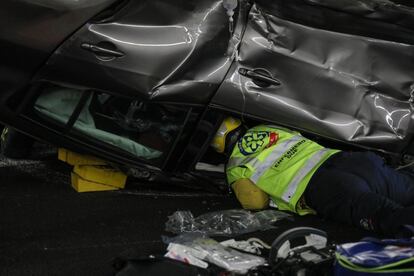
(143, 129)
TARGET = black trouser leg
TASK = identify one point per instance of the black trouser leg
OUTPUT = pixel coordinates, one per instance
(380, 178)
(358, 189)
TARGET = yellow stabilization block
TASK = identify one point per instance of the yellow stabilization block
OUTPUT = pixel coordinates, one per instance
(101, 174)
(73, 158)
(97, 178)
(82, 185)
(91, 174)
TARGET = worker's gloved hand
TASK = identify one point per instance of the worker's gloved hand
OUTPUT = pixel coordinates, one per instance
(249, 196)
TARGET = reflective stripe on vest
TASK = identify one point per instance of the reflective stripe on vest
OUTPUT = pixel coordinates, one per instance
(279, 150)
(240, 161)
(310, 164)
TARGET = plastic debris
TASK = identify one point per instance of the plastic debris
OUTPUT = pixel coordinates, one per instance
(186, 254)
(211, 251)
(223, 223)
(253, 245)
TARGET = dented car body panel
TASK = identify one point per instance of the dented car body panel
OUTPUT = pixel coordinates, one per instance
(340, 70)
(339, 85)
(169, 52)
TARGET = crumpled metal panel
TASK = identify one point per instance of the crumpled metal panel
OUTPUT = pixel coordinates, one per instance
(383, 10)
(173, 52)
(342, 86)
(380, 19)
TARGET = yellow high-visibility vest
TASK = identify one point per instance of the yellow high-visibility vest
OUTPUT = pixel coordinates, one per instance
(279, 161)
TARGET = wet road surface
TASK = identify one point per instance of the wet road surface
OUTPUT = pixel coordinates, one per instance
(46, 228)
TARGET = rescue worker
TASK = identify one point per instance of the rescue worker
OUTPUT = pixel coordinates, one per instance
(274, 165)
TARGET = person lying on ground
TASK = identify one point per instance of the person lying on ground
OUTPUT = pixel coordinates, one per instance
(280, 167)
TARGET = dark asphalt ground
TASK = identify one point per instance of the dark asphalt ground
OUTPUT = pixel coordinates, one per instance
(46, 228)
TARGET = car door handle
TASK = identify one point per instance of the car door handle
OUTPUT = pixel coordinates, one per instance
(101, 51)
(260, 77)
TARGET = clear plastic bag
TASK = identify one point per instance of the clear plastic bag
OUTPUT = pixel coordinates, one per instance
(211, 251)
(223, 223)
(270, 216)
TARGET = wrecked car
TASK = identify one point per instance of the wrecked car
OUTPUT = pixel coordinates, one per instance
(145, 84)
